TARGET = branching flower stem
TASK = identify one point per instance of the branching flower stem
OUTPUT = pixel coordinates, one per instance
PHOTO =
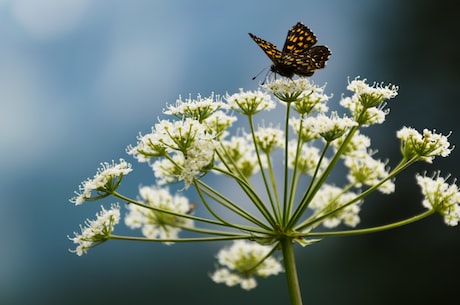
(218, 197)
(398, 169)
(201, 188)
(188, 216)
(178, 240)
(264, 177)
(275, 205)
(375, 229)
(252, 195)
(288, 197)
(314, 186)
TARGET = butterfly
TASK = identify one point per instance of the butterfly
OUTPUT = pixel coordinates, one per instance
(300, 56)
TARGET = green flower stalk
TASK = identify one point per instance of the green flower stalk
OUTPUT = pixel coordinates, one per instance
(295, 203)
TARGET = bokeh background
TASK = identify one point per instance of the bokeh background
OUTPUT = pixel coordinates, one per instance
(79, 79)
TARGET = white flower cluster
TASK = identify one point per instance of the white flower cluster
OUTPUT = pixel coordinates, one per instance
(424, 146)
(153, 222)
(368, 171)
(307, 97)
(242, 262)
(96, 231)
(339, 206)
(199, 108)
(250, 102)
(332, 127)
(238, 155)
(305, 160)
(441, 197)
(187, 145)
(366, 104)
(104, 180)
(269, 138)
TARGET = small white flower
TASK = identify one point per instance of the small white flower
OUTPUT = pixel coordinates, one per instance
(307, 158)
(187, 146)
(218, 123)
(441, 196)
(178, 168)
(366, 104)
(242, 261)
(248, 283)
(169, 136)
(224, 276)
(307, 97)
(239, 154)
(377, 92)
(425, 146)
(269, 138)
(198, 109)
(156, 224)
(250, 102)
(166, 170)
(333, 127)
(107, 178)
(288, 90)
(148, 146)
(364, 170)
(330, 199)
(365, 116)
(313, 101)
(181, 135)
(357, 146)
(305, 129)
(288, 87)
(96, 231)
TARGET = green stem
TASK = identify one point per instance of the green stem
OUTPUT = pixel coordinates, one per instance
(312, 188)
(399, 168)
(250, 192)
(291, 271)
(177, 240)
(262, 171)
(275, 208)
(377, 229)
(229, 204)
(286, 203)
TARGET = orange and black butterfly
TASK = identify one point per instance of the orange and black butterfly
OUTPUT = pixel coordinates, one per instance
(300, 56)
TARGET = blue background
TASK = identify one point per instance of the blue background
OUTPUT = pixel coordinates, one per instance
(79, 79)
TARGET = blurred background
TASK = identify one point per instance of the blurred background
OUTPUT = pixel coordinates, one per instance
(79, 80)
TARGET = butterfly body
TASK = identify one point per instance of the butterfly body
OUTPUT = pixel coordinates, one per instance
(299, 56)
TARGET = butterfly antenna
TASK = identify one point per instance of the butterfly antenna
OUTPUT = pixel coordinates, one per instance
(259, 73)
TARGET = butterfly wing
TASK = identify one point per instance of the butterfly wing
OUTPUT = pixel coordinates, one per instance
(269, 49)
(299, 39)
(319, 56)
(295, 64)
(304, 64)
(299, 55)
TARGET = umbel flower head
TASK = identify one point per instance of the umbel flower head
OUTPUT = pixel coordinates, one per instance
(153, 222)
(96, 231)
(187, 147)
(267, 187)
(441, 197)
(367, 102)
(425, 146)
(107, 179)
(241, 262)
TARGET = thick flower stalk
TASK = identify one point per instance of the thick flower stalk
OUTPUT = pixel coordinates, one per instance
(283, 174)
